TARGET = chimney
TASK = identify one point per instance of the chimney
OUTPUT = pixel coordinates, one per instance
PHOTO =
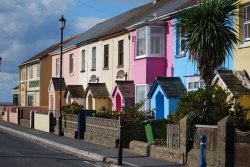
(155, 1)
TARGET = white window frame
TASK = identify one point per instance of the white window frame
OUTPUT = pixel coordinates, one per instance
(83, 65)
(31, 74)
(148, 41)
(93, 58)
(57, 67)
(146, 88)
(23, 74)
(71, 64)
(246, 22)
(31, 95)
(201, 85)
(38, 70)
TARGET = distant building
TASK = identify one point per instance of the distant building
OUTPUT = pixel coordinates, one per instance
(15, 95)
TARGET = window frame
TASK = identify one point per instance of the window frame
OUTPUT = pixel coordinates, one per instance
(93, 59)
(120, 53)
(83, 62)
(106, 56)
(71, 64)
(38, 70)
(31, 72)
(148, 42)
(246, 24)
(57, 67)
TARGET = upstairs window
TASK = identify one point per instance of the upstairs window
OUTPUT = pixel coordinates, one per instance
(93, 59)
(31, 76)
(71, 63)
(38, 70)
(23, 74)
(83, 61)
(57, 67)
(141, 41)
(246, 26)
(106, 56)
(120, 53)
(156, 40)
(150, 41)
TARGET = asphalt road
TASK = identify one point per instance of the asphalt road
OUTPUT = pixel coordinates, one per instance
(18, 152)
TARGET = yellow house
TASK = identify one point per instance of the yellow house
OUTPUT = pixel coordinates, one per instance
(241, 54)
(237, 84)
(34, 78)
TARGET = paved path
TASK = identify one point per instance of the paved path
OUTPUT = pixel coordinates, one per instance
(82, 148)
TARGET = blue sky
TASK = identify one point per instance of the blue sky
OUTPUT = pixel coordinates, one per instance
(29, 26)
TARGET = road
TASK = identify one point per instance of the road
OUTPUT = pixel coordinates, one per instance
(18, 152)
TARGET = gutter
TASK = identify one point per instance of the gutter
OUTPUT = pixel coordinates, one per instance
(64, 50)
(29, 62)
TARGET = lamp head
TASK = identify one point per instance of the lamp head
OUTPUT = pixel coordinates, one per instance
(62, 21)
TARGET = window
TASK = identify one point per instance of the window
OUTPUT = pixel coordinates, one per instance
(71, 63)
(57, 67)
(106, 56)
(30, 72)
(141, 41)
(150, 41)
(140, 95)
(195, 85)
(38, 70)
(246, 28)
(190, 85)
(120, 52)
(93, 58)
(83, 61)
(23, 74)
(156, 40)
(30, 100)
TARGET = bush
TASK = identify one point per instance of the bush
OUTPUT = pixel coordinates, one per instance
(72, 108)
(210, 105)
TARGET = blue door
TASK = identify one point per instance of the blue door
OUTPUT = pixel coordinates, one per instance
(159, 105)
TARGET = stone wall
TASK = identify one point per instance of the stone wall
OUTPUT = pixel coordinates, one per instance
(25, 123)
(102, 131)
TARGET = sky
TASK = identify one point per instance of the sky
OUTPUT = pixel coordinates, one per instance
(30, 26)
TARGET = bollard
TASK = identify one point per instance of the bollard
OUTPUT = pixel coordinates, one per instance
(203, 139)
(120, 142)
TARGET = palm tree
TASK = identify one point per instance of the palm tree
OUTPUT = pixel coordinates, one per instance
(208, 30)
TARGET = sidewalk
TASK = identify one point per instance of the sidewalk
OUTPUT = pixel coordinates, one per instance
(82, 148)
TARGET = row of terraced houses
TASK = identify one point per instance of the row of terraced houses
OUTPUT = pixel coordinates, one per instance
(134, 56)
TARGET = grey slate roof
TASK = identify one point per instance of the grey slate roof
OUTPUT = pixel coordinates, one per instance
(75, 91)
(121, 22)
(233, 83)
(97, 90)
(16, 87)
(127, 88)
(171, 86)
(56, 84)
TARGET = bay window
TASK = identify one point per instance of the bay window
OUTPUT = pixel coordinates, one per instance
(246, 26)
(150, 41)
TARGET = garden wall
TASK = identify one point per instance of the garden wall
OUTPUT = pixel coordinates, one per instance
(13, 115)
(42, 120)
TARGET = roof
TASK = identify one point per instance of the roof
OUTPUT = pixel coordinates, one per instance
(45, 52)
(16, 87)
(127, 88)
(171, 86)
(56, 84)
(233, 83)
(97, 90)
(75, 91)
(121, 22)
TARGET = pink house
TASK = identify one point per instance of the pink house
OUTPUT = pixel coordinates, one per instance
(151, 56)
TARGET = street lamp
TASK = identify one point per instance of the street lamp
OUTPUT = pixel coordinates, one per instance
(0, 62)
(62, 25)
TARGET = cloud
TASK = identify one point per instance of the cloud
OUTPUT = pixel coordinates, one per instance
(7, 83)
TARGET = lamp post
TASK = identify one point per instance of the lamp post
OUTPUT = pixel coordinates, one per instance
(62, 25)
(0, 62)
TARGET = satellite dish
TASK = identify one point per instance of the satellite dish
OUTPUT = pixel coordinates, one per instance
(93, 78)
(121, 74)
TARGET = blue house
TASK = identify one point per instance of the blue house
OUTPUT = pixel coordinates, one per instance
(164, 95)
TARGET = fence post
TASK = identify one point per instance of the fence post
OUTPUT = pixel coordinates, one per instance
(32, 116)
(120, 142)
(51, 122)
(80, 125)
(203, 139)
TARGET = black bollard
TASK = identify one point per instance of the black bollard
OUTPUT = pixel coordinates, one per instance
(120, 142)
